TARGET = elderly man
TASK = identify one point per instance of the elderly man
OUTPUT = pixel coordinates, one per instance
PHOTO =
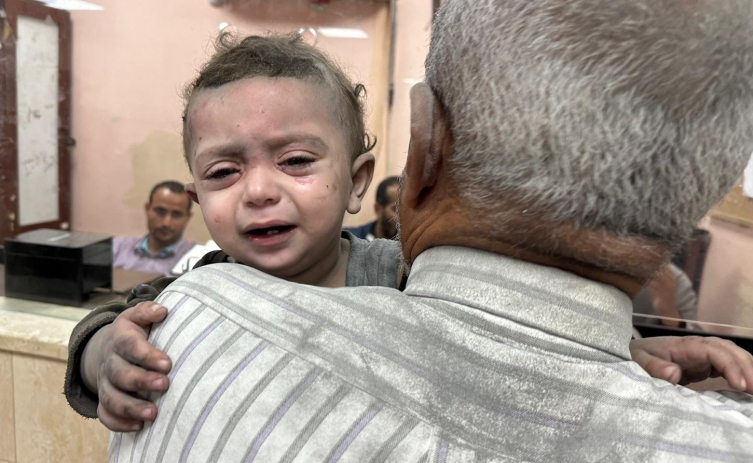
(560, 152)
(384, 226)
(167, 214)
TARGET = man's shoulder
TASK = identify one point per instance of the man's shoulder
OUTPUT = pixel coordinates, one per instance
(125, 243)
(126, 240)
(217, 276)
(475, 395)
(264, 303)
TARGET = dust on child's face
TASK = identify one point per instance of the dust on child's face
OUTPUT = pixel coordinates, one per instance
(271, 172)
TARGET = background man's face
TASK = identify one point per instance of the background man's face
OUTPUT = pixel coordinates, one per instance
(167, 216)
(386, 214)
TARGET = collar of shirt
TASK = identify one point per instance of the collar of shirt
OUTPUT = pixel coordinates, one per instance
(143, 248)
(546, 301)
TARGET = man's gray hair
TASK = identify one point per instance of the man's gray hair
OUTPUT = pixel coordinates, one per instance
(630, 116)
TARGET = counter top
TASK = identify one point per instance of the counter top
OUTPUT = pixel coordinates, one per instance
(43, 330)
(36, 328)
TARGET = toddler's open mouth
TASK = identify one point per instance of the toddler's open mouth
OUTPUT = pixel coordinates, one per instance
(267, 231)
(272, 235)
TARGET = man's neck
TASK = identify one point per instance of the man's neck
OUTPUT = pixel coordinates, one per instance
(588, 254)
(625, 283)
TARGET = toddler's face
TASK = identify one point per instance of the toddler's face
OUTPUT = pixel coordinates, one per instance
(271, 171)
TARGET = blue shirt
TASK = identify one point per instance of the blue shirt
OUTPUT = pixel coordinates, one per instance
(365, 232)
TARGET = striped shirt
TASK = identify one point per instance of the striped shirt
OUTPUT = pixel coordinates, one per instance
(482, 358)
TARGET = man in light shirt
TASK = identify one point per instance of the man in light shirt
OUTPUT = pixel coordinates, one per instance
(167, 214)
(385, 225)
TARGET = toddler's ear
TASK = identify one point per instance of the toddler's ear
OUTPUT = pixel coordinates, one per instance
(191, 192)
(361, 174)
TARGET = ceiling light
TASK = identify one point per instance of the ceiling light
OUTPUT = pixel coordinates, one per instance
(72, 5)
(343, 33)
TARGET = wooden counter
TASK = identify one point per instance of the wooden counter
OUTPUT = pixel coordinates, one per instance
(36, 423)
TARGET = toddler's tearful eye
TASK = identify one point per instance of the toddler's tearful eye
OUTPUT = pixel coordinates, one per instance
(297, 162)
(221, 173)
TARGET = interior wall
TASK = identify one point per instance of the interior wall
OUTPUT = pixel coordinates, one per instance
(130, 63)
(412, 33)
(726, 293)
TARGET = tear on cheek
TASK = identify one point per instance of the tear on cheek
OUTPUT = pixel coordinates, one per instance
(304, 180)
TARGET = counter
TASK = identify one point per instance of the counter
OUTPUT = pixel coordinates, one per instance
(36, 423)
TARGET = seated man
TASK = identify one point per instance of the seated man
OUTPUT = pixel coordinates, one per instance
(167, 214)
(561, 151)
(384, 226)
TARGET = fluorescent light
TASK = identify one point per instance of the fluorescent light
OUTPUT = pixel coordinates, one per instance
(343, 33)
(72, 5)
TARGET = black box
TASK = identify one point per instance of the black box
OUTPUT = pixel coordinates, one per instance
(57, 266)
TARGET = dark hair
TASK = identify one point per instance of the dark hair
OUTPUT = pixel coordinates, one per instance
(172, 185)
(278, 55)
(381, 194)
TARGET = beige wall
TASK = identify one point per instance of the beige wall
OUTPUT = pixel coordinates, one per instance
(413, 30)
(130, 62)
(726, 293)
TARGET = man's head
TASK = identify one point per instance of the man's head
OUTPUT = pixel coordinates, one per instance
(275, 137)
(167, 213)
(589, 130)
(386, 201)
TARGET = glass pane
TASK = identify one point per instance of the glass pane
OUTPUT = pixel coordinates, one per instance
(131, 61)
(37, 77)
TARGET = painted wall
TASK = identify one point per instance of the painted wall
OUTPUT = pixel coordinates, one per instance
(412, 34)
(130, 63)
(726, 293)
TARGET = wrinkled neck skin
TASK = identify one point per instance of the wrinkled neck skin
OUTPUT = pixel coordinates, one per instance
(625, 263)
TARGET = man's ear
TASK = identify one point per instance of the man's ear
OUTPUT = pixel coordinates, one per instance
(427, 135)
(361, 174)
(191, 192)
(146, 206)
